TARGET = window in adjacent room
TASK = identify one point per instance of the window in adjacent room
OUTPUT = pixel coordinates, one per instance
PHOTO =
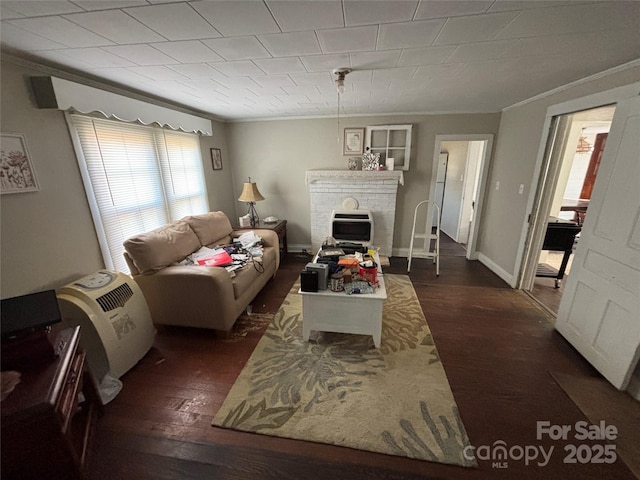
(137, 178)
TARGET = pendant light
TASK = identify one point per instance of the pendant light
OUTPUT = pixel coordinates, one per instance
(340, 73)
(583, 145)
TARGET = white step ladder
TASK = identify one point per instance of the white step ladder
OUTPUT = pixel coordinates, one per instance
(427, 236)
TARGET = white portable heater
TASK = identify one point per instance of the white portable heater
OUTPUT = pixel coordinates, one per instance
(352, 226)
(116, 327)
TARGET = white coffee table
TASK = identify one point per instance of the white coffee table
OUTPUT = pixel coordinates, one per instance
(327, 311)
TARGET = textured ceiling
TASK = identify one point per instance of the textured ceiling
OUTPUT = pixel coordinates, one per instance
(245, 59)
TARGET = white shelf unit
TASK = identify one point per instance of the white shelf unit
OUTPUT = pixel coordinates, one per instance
(390, 141)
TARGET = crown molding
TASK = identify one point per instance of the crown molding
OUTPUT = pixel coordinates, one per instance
(357, 115)
(590, 78)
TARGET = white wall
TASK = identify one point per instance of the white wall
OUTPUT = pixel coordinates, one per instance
(276, 155)
(575, 165)
(513, 164)
(219, 182)
(48, 237)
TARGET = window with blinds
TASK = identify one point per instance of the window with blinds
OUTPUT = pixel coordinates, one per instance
(137, 178)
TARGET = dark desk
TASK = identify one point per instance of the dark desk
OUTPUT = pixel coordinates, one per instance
(559, 237)
(579, 207)
(280, 227)
(46, 425)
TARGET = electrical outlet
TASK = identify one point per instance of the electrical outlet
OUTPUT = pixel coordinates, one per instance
(521, 189)
(498, 185)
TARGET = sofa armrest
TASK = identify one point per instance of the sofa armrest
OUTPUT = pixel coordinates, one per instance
(269, 239)
(204, 295)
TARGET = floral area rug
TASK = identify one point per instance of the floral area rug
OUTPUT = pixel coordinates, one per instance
(338, 389)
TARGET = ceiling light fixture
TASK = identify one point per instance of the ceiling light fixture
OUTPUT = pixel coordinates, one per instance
(340, 73)
(583, 145)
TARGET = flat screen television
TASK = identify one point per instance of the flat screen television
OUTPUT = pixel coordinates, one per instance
(28, 313)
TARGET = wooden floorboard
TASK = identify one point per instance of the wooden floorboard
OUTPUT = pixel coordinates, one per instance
(545, 292)
(496, 344)
(601, 402)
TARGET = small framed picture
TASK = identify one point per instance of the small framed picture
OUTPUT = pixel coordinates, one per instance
(353, 141)
(16, 171)
(216, 159)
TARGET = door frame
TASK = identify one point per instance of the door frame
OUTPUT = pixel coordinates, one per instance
(555, 147)
(534, 225)
(472, 251)
(471, 178)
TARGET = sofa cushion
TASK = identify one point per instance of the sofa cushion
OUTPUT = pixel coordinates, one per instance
(159, 248)
(248, 274)
(212, 228)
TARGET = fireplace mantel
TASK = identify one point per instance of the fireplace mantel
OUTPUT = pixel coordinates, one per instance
(312, 176)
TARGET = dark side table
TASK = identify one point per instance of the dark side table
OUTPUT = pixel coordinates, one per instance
(46, 422)
(280, 227)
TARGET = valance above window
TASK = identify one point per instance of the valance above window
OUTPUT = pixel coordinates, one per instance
(53, 92)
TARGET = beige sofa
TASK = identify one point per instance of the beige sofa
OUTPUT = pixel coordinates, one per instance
(193, 295)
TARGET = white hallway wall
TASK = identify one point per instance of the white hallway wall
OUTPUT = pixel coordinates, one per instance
(454, 184)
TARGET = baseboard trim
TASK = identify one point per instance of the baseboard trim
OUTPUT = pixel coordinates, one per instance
(497, 269)
(400, 252)
(299, 248)
(404, 252)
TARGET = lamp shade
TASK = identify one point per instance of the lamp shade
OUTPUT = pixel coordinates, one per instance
(250, 193)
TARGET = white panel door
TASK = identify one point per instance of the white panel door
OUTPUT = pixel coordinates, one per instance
(600, 309)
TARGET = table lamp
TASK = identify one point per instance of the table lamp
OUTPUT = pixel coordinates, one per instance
(250, 194)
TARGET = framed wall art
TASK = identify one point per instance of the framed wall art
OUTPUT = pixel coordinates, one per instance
(16, 170)
(216, 159)
(353, 141)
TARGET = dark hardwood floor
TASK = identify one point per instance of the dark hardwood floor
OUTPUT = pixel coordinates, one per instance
(545, 292)
(496, 344)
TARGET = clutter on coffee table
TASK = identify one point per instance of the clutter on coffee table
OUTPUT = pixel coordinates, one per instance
(359, 286)
(351, 304)
(334, 270)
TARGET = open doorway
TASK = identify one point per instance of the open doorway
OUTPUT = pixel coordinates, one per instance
(458, 183)
(579, 139)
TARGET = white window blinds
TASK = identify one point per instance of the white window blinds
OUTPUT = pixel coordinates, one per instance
(137, 178)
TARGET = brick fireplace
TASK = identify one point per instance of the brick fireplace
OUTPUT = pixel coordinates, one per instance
(348, 189)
